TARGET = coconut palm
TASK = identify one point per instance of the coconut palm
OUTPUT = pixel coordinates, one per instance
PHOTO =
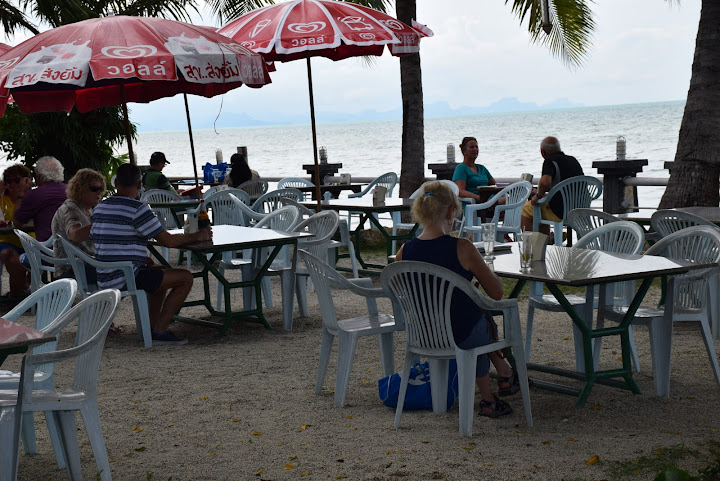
(695, 173)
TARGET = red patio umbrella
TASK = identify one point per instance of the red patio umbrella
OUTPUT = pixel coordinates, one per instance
(321, 28)
(119, 59)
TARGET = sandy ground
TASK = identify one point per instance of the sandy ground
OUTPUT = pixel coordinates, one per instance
(243, 407)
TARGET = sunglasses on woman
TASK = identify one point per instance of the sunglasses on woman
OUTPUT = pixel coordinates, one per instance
(96, 188)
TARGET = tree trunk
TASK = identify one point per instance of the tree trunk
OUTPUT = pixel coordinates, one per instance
(412, 169)
(694, 177)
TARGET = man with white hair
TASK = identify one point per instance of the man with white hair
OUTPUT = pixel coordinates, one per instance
(40, 204)
(556, 167)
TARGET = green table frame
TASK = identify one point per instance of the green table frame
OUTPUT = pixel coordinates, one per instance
(231, 239)
(587, 268)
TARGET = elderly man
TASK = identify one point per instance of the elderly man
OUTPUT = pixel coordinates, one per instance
(121, 228)
(153, 177)
(40, 204)
(556, 167)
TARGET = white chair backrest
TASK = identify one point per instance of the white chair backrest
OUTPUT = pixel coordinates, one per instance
(584, 221)
(164, 214)
(92, 317)
(623, 237)
(516, 194)
(283, 219)
(254, 187)
(270, 201)
(665, 222)
(223, 208)
(323, 225)
(40, 256)
(577, 193)
(249, 215)
(291, 182)
(304, 211)
(239, 193)
(423, 292)
(697, 244)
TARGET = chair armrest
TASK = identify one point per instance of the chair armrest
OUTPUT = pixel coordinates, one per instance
(361, 193)
(363, 286)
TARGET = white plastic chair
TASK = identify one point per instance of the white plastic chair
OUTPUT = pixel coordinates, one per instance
(282, 219)
(334, 245)
(515, 196)
(94, 316)
(665, 222)
(689, 293)
(422, 296)
(294, 182)
(584, 221)
(387, 180)
(164, 214)
(41, 257)
(622, 237)
(222, 208)
(49, 302)
(348, 331)
(270, 201)
(78, 259)
(254, 187)
(576, 192)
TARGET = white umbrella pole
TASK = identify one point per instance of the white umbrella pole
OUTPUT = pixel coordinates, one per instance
(128, 131)
(192, 148)
(314, 136)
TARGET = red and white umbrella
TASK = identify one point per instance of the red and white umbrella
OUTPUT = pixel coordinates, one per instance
(322, 28)
(113, 60)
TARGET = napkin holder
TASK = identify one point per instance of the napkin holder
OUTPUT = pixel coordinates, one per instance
(539, 245)
(221, 187)
(527, 177)
(379, 193)
(345, 179)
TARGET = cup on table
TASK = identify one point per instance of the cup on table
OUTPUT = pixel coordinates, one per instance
(488, 239)
(525, 246)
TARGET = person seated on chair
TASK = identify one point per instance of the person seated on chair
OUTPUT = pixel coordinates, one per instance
(72, 219)
(121, 228)
(240, 171)
(40, 204)
(16, 182)
(153, 178)
(435, 208)
(468, 175)
(556, 167)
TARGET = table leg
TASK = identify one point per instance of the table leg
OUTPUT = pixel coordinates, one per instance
(389, 238)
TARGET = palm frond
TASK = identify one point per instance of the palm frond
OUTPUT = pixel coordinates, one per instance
(173, 9)
(226, 10)
(13, 19)
(573, 25)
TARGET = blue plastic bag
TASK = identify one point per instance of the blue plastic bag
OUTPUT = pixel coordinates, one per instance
(418, 395)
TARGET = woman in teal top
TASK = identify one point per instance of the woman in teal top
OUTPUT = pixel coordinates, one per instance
(469, 176)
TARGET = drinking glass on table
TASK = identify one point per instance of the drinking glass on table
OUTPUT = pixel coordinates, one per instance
(488, 239)
(525, 247)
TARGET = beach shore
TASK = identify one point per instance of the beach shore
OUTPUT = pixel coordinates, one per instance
(242, 407)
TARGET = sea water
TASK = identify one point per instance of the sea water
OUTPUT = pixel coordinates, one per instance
(509, 142)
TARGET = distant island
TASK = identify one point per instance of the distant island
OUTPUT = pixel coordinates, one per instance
(437, 109)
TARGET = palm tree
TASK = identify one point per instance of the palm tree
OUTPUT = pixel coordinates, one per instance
(694, 178)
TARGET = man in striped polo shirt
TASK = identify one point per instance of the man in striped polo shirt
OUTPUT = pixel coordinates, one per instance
(121, 228)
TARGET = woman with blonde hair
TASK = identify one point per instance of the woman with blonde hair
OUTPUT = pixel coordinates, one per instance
(435, 209)
(72, 219)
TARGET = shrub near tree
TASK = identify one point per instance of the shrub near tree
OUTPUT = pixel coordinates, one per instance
(77, 140)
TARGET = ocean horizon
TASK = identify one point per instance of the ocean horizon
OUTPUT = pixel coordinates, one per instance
(509, 142)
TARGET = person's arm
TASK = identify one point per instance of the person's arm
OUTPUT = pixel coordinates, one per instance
(471, 260)
(22, 216)
(398, 256)
(463, 193)
(79, 233)
(164, 183)
(544, 184)
(167, 239)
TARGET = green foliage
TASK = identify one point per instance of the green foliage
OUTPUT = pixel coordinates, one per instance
(572, 28)
(77, 140)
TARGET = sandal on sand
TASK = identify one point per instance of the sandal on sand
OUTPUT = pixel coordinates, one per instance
(494, 409)
(508, 386)
(114, 330)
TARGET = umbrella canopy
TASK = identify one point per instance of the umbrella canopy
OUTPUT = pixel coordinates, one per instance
(321, 28)
(114, 60)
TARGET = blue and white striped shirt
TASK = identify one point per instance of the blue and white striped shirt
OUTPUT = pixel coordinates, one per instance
(121, 227)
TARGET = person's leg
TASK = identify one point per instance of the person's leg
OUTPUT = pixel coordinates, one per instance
(179, 283)
(17, 272)
(526, 219)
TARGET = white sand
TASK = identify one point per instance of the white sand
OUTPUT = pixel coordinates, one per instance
(243, 407)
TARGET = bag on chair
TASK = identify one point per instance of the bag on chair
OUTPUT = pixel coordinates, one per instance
(418, 395)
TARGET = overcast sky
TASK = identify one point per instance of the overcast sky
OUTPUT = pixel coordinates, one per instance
(642, 52)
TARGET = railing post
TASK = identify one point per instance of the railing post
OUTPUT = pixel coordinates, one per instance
(615, 198)
(443, 170)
